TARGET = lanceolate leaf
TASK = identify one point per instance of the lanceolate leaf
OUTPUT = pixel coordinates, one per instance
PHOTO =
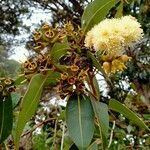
(58, 50)
(80, 120)
(121, 108)
(29, 104)
(101, 113)
(96, 85)
(6, 117)
(95, 12)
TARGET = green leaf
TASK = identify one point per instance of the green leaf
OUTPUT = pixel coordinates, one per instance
(119, 10)
(95, 61)
(95, 12)
(80, 120)
(101, 113)
(58, 50)
(6, 117)
(20, 80)
(121, 108)
(29, 104)
(52, 77)
(15, 98)
(93, 146)
(96, 85)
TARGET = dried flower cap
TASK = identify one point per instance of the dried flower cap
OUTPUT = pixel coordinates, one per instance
(114, 34)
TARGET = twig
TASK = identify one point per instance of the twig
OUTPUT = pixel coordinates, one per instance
(62, 139)
(38, 125)
(55, 131)
(111, 135)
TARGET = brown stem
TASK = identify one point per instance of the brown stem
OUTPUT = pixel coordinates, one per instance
(92, 85)
(38, 125)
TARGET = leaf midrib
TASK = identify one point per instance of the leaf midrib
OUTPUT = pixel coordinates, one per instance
(80, 123)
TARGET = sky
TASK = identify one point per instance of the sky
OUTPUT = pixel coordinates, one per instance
(38, 15)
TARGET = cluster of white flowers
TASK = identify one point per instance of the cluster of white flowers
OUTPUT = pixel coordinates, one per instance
(114, 34)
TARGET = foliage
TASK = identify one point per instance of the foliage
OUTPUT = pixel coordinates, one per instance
(64, 66)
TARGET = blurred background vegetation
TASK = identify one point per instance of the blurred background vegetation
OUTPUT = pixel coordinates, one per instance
(137, 75)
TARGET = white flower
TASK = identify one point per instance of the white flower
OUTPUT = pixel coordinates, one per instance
(114, 34)
(131, 30)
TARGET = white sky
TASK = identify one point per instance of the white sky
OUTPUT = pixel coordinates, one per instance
(20, 52)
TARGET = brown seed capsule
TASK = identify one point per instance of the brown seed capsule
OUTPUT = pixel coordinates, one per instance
(39, 46)
(45, 26)
(32, 66)
(71, 80)
(49, 34)
(1, 88)
(69, 27)
(25, 64)
(64, 76)
(74, 67)
(82, 75)
(80, 86)
(37, 36)
(11, 89)
(125, 58)
(8, 82)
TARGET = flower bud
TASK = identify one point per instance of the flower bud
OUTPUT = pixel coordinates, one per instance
(107, 67)
(125, 58)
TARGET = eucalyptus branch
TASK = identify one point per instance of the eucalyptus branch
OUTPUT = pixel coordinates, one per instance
(62, 139)
(92, 85)
(37, 126)
(55, 130)
(111, 135)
